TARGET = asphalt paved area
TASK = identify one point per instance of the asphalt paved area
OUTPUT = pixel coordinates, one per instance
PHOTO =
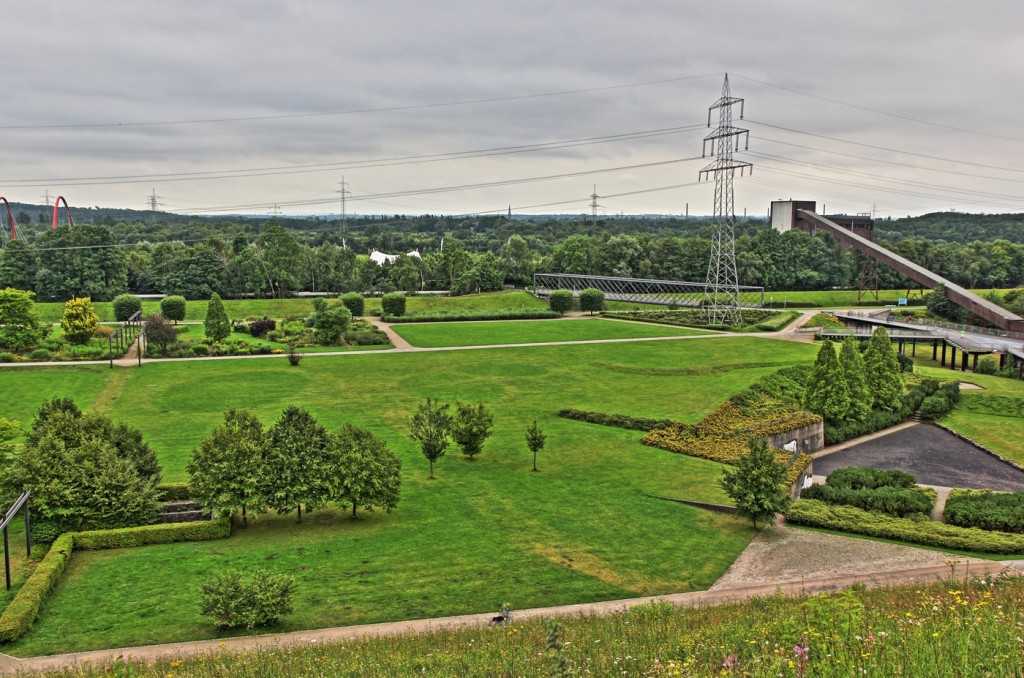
(934, 456)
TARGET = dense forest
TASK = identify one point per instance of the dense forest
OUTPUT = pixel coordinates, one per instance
(102, 256)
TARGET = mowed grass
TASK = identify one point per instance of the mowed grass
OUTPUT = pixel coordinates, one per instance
(432, 335)
(840, 298)
(486, 532)
(984, 415)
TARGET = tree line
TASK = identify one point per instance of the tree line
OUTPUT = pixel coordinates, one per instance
(97, 261)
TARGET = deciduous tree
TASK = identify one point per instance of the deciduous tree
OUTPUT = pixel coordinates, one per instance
(367, 473)
(224, 472)
(756, 484)
(471, 427)
(19, 326)
(535, 439)
(431, 427)
(295, 467)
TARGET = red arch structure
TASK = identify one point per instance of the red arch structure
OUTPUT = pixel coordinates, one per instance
(10, 219)
(56, 211)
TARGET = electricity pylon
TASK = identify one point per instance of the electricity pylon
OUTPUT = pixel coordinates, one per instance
(722, 296)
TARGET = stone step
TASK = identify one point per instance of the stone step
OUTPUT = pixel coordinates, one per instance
(181, 505)
(183, 517)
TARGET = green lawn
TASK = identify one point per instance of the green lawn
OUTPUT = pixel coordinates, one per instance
(839, 298)
(485, 532)
(993, 417)
(530, 332)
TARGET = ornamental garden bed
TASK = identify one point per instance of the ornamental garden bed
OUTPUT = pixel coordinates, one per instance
(754, 320)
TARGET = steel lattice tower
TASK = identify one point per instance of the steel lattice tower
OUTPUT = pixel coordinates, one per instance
(722, 300)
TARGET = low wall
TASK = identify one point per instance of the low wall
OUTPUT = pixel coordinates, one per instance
(810, 438)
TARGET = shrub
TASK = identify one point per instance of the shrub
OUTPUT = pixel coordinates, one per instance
(19, 326)
(934, 406)
(103, 331)
(173, 308)
(234, 602)
(200, 350)
(39, 355)
(393, 303)
(159, 332)
(125, 306)
(6, 357)
(618, 420)
(591, 299)
(274, 335)
(560, 301)
(355, 303)
(366, 338)
(857, 521)
(987, 365)
(79, 321)
(330, 324)
(217, 325)
(173, 491)
(294, 357)
(260, 328)
(986, 510)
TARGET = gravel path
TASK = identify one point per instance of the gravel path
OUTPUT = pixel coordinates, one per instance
(788, 554)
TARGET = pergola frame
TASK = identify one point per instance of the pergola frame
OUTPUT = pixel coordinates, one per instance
(640, 290)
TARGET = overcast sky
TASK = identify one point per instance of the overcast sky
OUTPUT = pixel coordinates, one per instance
(898, 107)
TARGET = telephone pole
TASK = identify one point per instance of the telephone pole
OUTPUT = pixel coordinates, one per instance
(344, 207)
(721, 303)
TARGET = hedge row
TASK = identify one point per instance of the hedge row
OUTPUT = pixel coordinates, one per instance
(854, 520)
(893, 501)
(454, 316)
(860, 478)
(22, 611)
(777, 322)
(986, 510)
(618, 420)
(164, 533)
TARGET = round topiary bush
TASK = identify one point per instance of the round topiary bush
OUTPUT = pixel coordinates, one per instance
(591, 299)
(173, 308)
(125, 306)
(355, 303)
(393, 303)
(560, 301)
(39, 355)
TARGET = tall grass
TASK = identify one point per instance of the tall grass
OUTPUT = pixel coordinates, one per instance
(952, 628)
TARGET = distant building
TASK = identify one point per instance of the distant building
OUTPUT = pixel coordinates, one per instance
(380, 258)
(785, 216)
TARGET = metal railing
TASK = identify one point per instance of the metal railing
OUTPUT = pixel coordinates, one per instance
(22, 500)
(124, 336)
(640, 290)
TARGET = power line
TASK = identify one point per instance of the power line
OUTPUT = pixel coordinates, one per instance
(359, 111)
(354, 164)
(881, 112)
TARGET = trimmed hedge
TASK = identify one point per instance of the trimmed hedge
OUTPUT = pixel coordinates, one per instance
(618, 420)
(860, 478)
(21, 612)
(165, 533)
(125, 306)
(986, 510)
(893, 501)
(815, 513)
(455, 316)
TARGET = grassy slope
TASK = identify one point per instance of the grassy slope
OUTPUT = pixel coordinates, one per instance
(982, 418)
(529, 331)
(485, 532)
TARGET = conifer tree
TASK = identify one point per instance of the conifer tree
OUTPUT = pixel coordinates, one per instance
(826, 392)
(856, 379)
(882, 369)
(217, 326)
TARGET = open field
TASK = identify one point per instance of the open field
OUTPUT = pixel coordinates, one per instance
(993, 417)
(530, 332)
(485, 532)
